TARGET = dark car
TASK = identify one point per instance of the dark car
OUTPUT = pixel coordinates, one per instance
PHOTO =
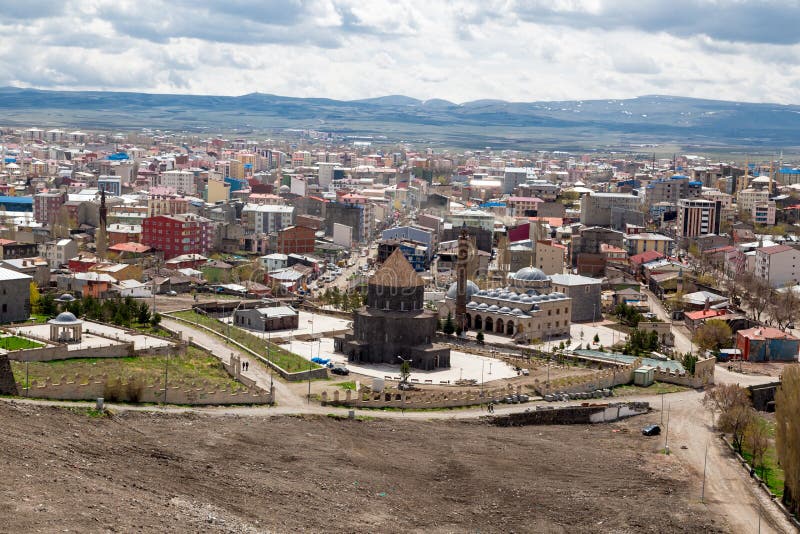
(339, 370)
(651, 430)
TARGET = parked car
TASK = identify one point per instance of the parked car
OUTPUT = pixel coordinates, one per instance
(171, 293)
(651, 430)
(340, 370)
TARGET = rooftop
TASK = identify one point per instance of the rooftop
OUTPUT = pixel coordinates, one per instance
(396, 271)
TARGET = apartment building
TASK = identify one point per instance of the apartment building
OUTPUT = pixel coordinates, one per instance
(179, 181)
(672, 189)
(763, 213)
(175, 235)
(46, 206)
(778, 265)
(266, 218)
(698, 217)
(747, 198)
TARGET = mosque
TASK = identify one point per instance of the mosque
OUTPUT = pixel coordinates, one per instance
(526, 310)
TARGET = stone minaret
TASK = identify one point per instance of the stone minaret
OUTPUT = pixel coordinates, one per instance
(461, 280)
(101, 239)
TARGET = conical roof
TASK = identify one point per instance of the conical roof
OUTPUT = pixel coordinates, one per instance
(396, 272)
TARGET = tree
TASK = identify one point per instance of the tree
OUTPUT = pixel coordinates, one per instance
(627, 314)
(448, 327)
(143, 313)
(155, 320)
(47, 306)
(783, 307)
(596, 338)
(689, 362)
(787, 435)
(479, 337)
(756, 296)
(735, 412)
(756, 440)
(405, 370)
(35, 297)
(713, 335)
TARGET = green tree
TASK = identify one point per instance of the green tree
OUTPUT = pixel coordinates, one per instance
(35, 297)
(713, 335)
(155, 320)
(405, 371)
(143, 313)
(479, 337)
(787, 435)
(448, 327)
(596, 338)
(689, 361)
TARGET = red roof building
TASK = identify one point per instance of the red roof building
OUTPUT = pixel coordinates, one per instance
(175, 235)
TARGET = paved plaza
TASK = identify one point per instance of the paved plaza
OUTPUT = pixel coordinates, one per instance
(96, 335)
(308, 323)
(462, 365)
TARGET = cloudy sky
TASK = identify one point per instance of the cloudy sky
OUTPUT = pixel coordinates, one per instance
(457, 50)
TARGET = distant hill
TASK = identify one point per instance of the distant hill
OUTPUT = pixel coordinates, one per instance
(652, 119)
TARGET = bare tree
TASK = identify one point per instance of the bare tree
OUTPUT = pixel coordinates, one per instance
(787, 434)
(756, 296)
(723, 397)
(756, 440)
(784, 306)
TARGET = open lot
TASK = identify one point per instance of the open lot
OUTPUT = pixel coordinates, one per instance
(190, 473)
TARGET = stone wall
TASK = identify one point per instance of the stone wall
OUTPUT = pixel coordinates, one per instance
(573, 415)
(606, 378)
(60, 352)
(7, 385)
(90, 387)
(417, 399)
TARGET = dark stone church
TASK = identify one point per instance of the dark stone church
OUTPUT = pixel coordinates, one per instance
(394, 324)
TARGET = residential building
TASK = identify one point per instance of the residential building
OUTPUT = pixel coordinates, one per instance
(765, 344)
(58, 253)
(175, 235)
(763, 213)
(112, 185)
(778, 265)
(585, 294)
(746, 198)
(638, 243)
(698, 217)
(179, 181)
(15, 296)
(473, 218)
(523, 206)
(296, 239)
(549, 256)
(611, 209)
(671, 189)
(274, 262)
(266, 218)
(46, 206)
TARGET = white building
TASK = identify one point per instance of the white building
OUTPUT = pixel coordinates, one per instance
(180, 181)
(746, 198)
(266, 218)
(778, 265)
(274, 262)
(58, 253)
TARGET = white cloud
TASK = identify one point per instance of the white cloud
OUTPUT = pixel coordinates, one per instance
(457, 50)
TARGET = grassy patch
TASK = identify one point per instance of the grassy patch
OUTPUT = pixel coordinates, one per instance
(347, 385)
(771, 473)
(194, 365)
(658, 388)
(18, 343)
(286, 360)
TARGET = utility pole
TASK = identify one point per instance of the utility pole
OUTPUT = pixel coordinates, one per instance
(705, 463)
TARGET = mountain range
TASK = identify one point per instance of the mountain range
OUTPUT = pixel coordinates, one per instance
(667, 121)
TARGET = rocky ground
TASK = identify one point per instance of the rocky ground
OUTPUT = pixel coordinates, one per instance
(65, 470)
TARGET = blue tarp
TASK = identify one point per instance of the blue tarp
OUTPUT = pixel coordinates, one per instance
(119, 156)
(321, 361)
(10, 160)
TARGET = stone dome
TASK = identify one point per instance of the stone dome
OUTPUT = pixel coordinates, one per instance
(515, 298)
(517, 311)
(482, 306)
(64, 318)
(505, 309)
(530, 274)
(66, 297)
(472, 304)
(472, 289)
(494, 307)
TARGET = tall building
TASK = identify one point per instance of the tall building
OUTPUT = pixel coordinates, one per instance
(175, 235)
(46, 206)
(764, 213)
(672, 189)
(698, 217)
(179, 181)
(778, 265)
(611, 209)
(266, 218)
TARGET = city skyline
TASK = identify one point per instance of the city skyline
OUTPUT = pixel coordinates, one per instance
(458, 51)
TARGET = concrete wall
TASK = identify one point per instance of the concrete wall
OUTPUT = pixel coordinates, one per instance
(417, 399)
(573, 415)
(60, 352)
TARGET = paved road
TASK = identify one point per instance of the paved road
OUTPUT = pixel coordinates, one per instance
(683, 343)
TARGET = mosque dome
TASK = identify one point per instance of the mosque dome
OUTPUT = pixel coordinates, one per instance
(530, 274)
(64, 318)
(472, 289)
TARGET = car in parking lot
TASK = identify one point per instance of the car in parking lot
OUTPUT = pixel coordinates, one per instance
(340, 370)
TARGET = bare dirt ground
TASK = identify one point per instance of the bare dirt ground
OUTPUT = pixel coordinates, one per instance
(66, 471)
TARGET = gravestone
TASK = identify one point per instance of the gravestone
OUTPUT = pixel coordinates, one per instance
(7, 384)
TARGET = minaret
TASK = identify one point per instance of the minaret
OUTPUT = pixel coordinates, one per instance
(101, 241)
(461, 279)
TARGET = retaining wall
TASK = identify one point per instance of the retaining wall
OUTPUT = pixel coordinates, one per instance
(417, 399)
(179, 392)
(300, 376)
(573, 415)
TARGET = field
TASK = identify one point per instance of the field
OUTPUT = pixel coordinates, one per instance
(18, 343)
(288, 361)
(194, 365)
(71, 470)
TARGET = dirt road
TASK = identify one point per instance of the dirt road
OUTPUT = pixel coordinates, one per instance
(148, 472)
